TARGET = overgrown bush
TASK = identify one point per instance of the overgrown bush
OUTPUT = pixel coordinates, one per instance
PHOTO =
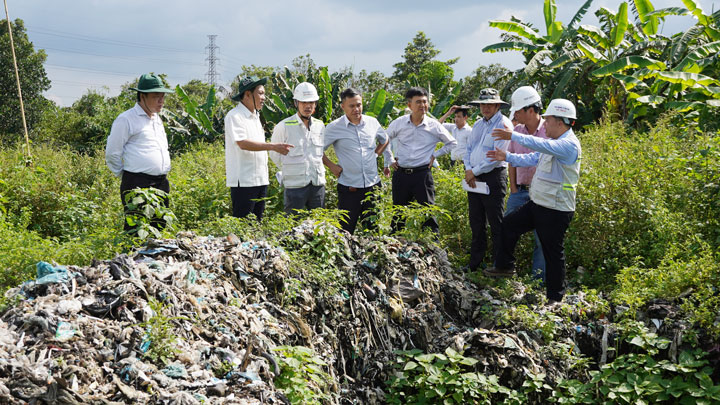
(643, 376)
(302, 377)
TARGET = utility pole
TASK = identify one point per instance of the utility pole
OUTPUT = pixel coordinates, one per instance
(17, 80)
(212, 74)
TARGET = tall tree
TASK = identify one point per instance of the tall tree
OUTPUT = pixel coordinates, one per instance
(33, 81)
(417, 53)
(494, 75)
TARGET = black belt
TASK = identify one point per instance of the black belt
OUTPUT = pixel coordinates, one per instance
(411, 170)
(147, 176)
(523, 187)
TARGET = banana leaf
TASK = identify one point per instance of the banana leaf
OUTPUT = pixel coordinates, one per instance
(629, 82)
(596, 34)
(510, 46)
(556, 31)
(695, 9)
(649, 23)
(592, 53)
(664, 12)
(710, 49)
(325, 87)
(683, 106)
(651, 99)
(535, 62)
(384, 114)
(565, 78)
(549, 12)
(446, 101)
(686, 79)
(580, 14)
(628, 62)
(517, 28)
(621, 23)
(377, 103)
(566, 58)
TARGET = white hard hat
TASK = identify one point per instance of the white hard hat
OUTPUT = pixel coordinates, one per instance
(305, 92)
(561, 108)
(523, 97)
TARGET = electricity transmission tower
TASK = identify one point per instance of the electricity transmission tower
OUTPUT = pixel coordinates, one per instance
(212, 75)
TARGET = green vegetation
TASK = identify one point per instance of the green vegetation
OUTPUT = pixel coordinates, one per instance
(33, 80)
(302, 378)
(439, 378)
(625, 68)
(646, 229)
(160, 341)
(641, 376)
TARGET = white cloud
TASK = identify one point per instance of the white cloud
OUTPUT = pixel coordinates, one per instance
(370, 35)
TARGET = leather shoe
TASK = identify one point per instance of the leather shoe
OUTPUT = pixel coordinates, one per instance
(495, 272)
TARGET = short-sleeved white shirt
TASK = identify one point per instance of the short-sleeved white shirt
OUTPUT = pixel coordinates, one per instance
(244, 168)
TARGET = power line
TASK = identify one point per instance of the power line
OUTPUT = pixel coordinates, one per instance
(63, 34)
(105, 72)
(86, 83)
(122, 57)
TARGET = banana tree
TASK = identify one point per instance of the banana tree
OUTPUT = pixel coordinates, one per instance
(381, 107)
(552, 61)
(196, 122)
(280, 104)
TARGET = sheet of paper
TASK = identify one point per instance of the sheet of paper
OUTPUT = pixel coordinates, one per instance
(480, 187)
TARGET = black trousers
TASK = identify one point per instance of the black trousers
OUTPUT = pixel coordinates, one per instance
(356, 202)
(484, 209)
(415, 184)
(131, 181)
(246, 200)
(550, 226)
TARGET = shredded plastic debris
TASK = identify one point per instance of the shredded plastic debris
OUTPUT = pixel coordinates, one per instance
(86, 335)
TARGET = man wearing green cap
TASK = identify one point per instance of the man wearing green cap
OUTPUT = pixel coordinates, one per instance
(137, 148)
(246, 158)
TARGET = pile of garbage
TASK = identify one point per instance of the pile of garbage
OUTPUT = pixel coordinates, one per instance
(220, 307)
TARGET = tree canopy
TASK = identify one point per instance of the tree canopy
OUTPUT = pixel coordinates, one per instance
(33, 81)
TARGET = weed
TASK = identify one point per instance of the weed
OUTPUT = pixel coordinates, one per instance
(160, 337)
(302, 377)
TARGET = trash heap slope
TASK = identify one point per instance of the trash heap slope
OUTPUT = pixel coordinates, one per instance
(82, 335)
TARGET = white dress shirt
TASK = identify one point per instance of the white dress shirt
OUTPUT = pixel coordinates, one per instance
(415, 144)
(244, 168)
(355, 149)
(461, 135)
(137, 144)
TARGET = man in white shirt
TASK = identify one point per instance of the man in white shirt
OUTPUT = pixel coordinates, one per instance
(358, 140)
(137, 147)
(416, 135)
(246, 158)
(303, 172)
(460, 130)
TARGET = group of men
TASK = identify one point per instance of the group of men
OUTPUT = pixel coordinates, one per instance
(542, 151)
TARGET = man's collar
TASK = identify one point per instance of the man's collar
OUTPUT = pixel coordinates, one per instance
(245, 111)
(423, 122)
(494, 118)
(140, 111)
(346, 121)
(566, 134)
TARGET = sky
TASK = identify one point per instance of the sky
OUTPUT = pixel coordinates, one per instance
(102, 44)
